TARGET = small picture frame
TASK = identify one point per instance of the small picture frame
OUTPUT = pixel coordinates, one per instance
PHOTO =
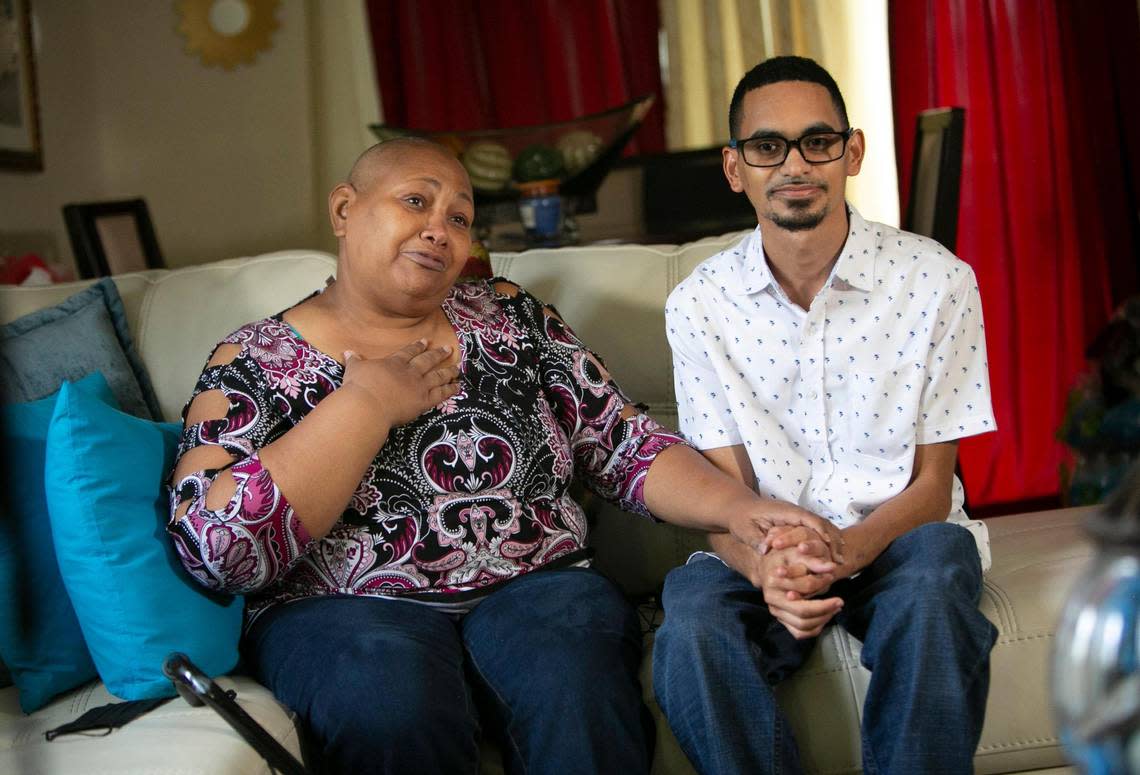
(112, 238)
(20, 147)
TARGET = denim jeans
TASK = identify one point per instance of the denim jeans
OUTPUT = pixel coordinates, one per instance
(719, 653)
(548, 664)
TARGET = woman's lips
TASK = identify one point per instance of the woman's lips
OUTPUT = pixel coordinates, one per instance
(431, 261)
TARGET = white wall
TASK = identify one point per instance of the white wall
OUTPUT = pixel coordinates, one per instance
(346, 97)
(225, 159)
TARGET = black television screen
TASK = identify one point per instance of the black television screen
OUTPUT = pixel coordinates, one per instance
(687, 197)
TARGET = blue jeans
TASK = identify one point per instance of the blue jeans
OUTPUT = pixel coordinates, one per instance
(719, 653)
(548, 663)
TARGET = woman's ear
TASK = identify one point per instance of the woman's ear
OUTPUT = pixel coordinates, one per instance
(340, 200)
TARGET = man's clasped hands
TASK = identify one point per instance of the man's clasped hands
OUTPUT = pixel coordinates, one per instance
(795, 566)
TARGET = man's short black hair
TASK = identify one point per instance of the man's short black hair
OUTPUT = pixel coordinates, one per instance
(778, 70)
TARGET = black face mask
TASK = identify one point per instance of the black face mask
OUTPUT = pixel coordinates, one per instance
(105, 719)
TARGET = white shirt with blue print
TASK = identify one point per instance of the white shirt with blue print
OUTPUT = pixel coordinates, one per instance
(830, 403)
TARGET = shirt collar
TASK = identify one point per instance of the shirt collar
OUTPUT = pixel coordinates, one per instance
(855, 267)
(754, 274)
(856, 264)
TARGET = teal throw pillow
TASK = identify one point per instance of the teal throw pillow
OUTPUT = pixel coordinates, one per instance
(108, 507)
(40, 639)
(83, 333)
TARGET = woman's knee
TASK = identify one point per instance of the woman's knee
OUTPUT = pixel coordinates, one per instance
(372, 692)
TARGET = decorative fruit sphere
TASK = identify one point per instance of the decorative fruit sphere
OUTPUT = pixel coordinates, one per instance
(579, 148)
(478, 264)
(488, 164)
(451, 142)
(538, 162)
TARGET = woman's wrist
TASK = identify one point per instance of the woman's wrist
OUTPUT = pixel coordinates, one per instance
(361, 405)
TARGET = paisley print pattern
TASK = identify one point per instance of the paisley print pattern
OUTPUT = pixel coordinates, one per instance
(470, 494)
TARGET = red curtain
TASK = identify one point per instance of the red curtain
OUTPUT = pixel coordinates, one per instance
(490, 64)
(1048, 205)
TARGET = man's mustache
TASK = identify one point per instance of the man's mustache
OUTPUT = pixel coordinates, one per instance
(820, 184)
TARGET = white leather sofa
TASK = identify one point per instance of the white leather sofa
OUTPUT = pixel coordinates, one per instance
(614, 297)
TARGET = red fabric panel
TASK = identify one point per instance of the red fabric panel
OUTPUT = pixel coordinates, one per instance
(483, 64)
(1026, 224)
(1101, 52)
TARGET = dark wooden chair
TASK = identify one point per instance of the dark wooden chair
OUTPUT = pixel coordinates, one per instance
(936, 175)
(935, 185)
(111, 238)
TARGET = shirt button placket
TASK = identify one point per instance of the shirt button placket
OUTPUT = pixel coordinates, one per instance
(813, 386)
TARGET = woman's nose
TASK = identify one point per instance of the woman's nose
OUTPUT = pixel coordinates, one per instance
(435, 230)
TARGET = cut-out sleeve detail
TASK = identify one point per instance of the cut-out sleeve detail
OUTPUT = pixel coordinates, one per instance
(612, 453)
(255, 537)
(246, 544)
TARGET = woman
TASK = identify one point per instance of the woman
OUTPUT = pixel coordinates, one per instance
(398, 518)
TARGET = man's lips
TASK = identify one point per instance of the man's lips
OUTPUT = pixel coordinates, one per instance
(797, 190)
(437, 262)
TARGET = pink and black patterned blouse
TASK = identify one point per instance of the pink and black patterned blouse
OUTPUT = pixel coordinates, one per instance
(470, 494)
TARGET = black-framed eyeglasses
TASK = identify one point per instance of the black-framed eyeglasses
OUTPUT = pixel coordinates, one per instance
(772, 150)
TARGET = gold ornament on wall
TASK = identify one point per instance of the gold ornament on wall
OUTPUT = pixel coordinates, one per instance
(227, 32)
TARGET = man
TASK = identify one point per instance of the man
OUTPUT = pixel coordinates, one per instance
(832, 363)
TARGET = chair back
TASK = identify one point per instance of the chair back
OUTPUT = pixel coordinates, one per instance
(936, 175)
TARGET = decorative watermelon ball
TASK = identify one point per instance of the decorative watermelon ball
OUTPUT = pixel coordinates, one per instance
(538, 162)
(579, 148)
(488, 164)
(451, 142)
(478, 264)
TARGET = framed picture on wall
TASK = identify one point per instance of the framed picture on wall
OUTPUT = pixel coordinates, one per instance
(19, 105)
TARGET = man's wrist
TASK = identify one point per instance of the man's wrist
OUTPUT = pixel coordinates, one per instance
(861, 547)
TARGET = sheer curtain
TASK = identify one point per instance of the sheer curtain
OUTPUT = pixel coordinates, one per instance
(710, 44)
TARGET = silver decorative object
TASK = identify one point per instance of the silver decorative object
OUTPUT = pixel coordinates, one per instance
(1096, 655)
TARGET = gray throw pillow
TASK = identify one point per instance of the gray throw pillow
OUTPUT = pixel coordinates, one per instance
(84, 333)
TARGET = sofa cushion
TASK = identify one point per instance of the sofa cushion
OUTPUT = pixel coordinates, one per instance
(174, 738)
(40, 638)
(186, 312)
(613, 296)
(84, 333)
(108, 509)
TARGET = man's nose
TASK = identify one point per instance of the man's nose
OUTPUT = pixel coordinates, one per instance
(795, 162)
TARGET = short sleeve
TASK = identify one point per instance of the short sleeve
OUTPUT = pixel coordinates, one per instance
(956, 399)
(703, 412)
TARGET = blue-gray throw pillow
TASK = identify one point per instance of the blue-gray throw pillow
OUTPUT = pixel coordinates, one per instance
(84, 333)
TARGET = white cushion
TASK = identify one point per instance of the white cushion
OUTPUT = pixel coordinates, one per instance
(175, 738)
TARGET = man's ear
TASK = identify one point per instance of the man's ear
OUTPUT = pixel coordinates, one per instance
(730, 161)
(340, 199)
(856, 148)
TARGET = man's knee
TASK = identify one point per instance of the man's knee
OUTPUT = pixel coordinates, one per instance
(941, 557)
(708, 608)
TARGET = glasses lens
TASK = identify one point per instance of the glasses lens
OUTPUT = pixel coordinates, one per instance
(816, 148)
(822, 146)
(765, 151)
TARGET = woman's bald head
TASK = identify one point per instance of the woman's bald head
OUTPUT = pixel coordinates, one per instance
(392, 153)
